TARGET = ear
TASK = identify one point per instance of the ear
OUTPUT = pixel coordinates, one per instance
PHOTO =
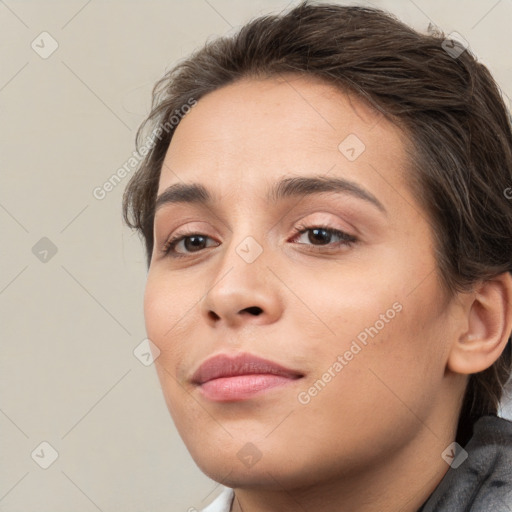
(487, 324)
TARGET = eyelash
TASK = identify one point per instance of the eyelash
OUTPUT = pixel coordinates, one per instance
(345, 239)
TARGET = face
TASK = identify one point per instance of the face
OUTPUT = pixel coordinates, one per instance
(335, 286)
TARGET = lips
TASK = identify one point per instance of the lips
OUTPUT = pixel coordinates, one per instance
(241, 364)
(225, 378)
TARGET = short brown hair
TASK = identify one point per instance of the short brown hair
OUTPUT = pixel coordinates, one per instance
(450, 108)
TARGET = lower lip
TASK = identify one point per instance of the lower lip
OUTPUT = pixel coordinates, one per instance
(241, 387)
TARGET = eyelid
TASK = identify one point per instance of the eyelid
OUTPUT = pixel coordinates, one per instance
(185, 226)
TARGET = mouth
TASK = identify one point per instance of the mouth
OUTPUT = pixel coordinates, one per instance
(224, 378)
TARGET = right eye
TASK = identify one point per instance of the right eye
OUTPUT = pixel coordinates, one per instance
(189, 242)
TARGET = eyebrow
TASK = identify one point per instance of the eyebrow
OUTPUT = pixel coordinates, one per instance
(299, 186)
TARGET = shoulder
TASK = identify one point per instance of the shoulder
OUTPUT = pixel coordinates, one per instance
(480, 477)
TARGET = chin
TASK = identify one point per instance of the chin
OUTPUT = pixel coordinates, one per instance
(237, 467)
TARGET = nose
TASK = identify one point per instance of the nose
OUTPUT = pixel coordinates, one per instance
(242, 292)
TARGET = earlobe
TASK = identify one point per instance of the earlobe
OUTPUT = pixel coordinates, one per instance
(487, 326)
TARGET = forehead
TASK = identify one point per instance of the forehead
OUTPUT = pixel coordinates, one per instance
(250, 132)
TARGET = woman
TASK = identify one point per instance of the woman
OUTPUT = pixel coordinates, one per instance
(324, 206)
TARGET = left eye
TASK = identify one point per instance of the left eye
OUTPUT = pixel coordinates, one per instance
(321, 235)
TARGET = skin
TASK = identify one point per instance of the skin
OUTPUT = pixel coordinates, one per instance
(372, 438)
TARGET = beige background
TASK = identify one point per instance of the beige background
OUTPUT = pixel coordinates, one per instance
(70, 324)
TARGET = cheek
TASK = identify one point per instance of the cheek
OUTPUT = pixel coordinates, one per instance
(382, 387)
(165, 305)
(391, 337)
(346, 305)
(393, 354)
(167, 314)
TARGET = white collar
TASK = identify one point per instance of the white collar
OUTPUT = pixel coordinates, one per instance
(222, 503)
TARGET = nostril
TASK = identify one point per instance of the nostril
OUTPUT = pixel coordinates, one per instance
(213, 315)
(254, 310)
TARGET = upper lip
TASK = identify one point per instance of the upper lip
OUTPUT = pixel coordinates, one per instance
(223, 365)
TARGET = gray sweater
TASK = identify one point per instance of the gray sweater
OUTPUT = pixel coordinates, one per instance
(483, 482)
